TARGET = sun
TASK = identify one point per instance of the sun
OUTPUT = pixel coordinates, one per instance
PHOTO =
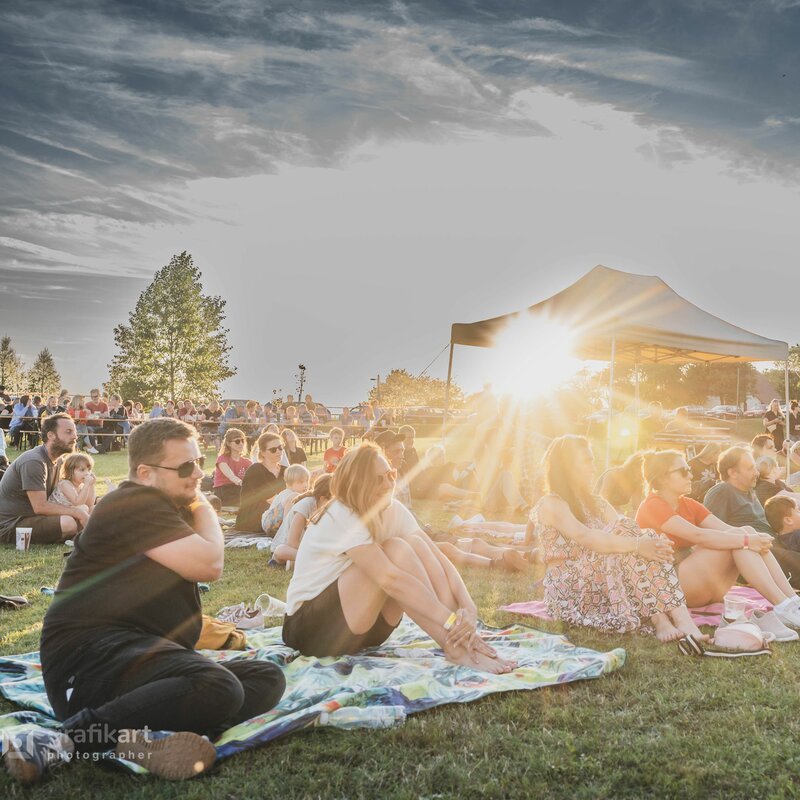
(532, 356)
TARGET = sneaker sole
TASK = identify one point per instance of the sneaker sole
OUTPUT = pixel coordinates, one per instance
(175, 757)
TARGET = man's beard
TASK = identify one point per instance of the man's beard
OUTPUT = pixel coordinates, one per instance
(62, 448)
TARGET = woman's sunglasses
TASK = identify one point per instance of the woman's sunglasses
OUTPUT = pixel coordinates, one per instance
(275, 449)
(685, 471)
(184, 470)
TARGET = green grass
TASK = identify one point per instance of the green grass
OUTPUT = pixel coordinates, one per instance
(663, 726)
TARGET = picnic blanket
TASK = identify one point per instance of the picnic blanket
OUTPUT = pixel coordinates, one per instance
(703, 615)
(407, 672)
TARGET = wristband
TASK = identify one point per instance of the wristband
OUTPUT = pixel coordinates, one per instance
(746, 545)
(450, 621)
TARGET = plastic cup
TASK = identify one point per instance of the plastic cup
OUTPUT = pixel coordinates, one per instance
(735, 607)
(24, 538)
(465, 545)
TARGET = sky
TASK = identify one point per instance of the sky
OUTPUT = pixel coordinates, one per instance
(353, 178)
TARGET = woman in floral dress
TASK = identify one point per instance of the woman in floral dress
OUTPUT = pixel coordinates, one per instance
(602, 570)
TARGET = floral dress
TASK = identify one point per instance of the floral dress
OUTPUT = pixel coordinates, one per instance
(613, 592)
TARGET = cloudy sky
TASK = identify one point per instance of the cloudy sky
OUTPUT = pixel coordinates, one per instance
(352, 178)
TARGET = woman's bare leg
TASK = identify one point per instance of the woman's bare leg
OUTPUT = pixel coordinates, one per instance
(449, 492)
(778, 575)
(684, 622)
(284, 553)
(462, 559)
(707, 575)
(756, 570)
(665, 630)
(363, 601)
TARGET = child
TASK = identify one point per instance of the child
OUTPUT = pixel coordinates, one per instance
(783, 515)
(77, 485)
(410, 455)
(297, 478)
(335, 453)
(301, 509)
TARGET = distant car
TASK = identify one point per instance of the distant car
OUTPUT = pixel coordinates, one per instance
(755, 412)
(724, 412)
(693, 411)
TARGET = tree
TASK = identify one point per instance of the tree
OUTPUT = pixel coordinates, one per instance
(43, 378)
(174, 344)
(401, 388)
(12, 370)
(777, 375)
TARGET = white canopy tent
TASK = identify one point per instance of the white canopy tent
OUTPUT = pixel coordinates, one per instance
(620, 317)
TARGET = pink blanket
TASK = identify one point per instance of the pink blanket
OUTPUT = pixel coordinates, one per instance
(705, 615)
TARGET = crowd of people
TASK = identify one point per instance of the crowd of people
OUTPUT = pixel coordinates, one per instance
(630, 551)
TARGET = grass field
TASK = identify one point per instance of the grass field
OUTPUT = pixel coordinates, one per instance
(663, 726)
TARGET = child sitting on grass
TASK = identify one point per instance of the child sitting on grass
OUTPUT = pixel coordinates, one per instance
(335, 453)
(300, 511)
(297, 478)
(76, 488)
(783, 515)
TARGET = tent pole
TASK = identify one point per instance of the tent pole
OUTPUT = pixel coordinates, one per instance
(636, 408)
(611, 399)
(788, 418)
(736, 421)
(447, 392)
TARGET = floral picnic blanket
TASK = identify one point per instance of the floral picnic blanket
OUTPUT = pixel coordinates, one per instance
(408, 672)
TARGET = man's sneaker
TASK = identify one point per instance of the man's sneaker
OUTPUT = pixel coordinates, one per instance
(176, 757)
(769, 622)
(93, 450)
(226, 614)
(789, 616)
(242, 617)
(29, 755)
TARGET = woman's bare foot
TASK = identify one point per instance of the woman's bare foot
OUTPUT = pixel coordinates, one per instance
(513, 561)
(493, 664)
(665, 630)
(685, 624)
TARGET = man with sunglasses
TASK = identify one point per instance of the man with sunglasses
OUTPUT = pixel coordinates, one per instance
(117, 647)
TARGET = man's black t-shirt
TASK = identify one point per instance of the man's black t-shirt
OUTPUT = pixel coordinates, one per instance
(109, 585)
(259, 486)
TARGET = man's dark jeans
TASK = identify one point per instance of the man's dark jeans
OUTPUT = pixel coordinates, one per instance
(127, 680)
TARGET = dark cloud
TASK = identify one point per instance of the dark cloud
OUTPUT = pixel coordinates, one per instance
(108, 106)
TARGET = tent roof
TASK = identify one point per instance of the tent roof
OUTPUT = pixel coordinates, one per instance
(651, 322)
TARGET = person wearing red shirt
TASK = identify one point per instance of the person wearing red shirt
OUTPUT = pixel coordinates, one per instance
(98, 411)
(710, 555)
(335, 453)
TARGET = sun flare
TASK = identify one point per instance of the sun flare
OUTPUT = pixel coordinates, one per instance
(533, 355)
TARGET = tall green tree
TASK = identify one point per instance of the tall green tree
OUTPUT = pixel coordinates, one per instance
(175, 343)
(43, 377)
(401, 388)
(12, 370)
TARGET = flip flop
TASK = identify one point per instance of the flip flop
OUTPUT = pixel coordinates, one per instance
(689, 646)
(12, 602)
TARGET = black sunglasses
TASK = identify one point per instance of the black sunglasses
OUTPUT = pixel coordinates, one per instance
(275, 449)
(685, 471)
(184, 470)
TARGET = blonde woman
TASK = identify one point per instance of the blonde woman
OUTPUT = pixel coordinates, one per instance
(709, 554)
(232, 464)
(364, 562)
(292, 448)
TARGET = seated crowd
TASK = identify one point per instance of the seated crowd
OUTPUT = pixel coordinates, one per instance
(654, 537)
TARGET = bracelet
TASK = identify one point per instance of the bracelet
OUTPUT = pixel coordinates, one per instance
(746, 545)
(450, 621)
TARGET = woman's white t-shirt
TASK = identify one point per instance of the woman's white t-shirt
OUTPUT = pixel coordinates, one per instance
(322, 556)
(305, 508)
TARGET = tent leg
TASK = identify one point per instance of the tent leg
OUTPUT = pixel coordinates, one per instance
(636, 409)
(447, 392)
(610, 399)
(788, 421)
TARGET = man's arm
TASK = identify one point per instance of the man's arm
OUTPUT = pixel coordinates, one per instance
(200, 556)
(41, 507)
